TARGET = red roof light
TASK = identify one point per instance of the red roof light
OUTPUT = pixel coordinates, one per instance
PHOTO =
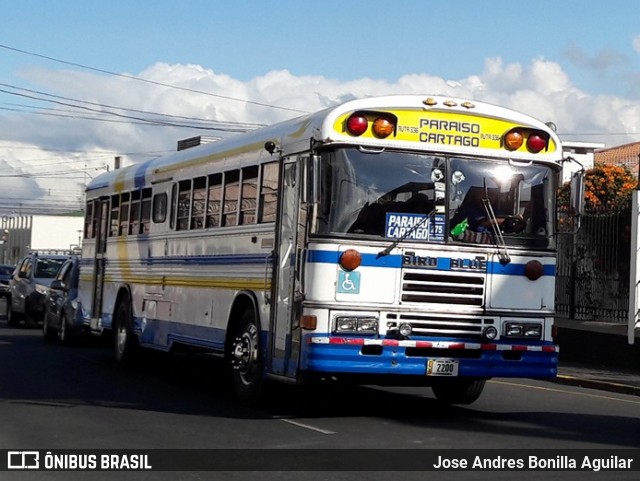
(357, 124)
(536, 143)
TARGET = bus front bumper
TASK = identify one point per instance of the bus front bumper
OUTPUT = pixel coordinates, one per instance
(363, 356)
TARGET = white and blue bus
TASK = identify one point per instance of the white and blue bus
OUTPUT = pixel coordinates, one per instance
(399, 240)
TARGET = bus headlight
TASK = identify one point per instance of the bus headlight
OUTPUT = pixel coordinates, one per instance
(356, 325)
(523, 330)
(490, 333)
(405, 329)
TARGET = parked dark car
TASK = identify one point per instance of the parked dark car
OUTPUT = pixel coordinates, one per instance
(29, 285)
(61, 316)
(6, 271)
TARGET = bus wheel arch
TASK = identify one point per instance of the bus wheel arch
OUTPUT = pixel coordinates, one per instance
(244, 350)
(125, 342)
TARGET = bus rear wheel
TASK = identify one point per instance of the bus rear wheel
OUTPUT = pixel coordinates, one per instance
(458, 391)
(125, 342)
(246, 361)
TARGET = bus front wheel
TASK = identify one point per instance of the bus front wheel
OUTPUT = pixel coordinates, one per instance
(125, 342)
(458, 391)
(246, 362)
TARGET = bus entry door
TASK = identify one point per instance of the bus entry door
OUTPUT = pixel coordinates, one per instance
(286, 284)
(99, 261)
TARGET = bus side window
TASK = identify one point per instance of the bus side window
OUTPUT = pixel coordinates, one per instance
(197, 203)
(134, 217)
(184, 202)
(231, 193)
(159, 208)
(268, 193)
(145, 211)
(124, 214)
(88, 221)
(249, 195)
(115, 214)
(214, 200)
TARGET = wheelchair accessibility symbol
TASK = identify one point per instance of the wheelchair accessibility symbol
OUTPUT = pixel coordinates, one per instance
(348, 282)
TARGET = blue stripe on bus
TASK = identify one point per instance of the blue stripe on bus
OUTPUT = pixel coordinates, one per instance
(512, 269)
(209, 260)
(368, 260)
(328, 257)
(444, 263)
(139, 174)
(192, 260)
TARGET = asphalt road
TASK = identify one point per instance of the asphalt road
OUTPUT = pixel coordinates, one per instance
(74, 397)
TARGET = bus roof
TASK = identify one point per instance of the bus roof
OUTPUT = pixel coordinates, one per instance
(424, 123)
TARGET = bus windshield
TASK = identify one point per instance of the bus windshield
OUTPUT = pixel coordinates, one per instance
(385, 194)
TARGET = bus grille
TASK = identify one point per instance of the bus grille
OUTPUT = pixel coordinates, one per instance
(435, 326)
(442, 288)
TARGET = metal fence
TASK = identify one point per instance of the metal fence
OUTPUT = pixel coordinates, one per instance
(593, 268)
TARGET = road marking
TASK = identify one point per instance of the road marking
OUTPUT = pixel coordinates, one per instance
(305, 426)
(540, 388)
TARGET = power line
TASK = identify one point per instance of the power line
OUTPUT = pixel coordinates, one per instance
(241, 125)
(140, 119)
(131, 77)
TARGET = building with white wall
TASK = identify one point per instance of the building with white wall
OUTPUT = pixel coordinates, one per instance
(22, 234)
(582, 152)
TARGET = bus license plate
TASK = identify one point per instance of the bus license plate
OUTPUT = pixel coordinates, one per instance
(442, 367)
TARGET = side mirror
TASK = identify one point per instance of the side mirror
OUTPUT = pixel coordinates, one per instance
(312, 179)
(58, 285)
(576, 202)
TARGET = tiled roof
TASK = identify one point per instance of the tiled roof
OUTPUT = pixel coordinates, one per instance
(625, 155)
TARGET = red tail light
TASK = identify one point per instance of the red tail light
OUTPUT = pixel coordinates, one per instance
(536, 143)
(357, 124)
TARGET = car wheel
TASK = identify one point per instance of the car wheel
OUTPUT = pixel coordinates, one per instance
(13, 318)
(48, 333)
(63, 333)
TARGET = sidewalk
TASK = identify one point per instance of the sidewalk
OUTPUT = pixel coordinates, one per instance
(597, 355)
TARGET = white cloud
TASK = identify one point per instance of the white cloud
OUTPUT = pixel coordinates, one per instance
(635, 42)
(541, 88)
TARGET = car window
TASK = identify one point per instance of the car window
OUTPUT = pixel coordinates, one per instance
(47, 268)
(27, 267)
(6, 270)
(63, 273)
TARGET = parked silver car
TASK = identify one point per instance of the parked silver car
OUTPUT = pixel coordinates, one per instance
(29, 285)
(61, 316)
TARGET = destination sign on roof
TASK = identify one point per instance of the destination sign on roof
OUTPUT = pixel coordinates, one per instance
(446, 129)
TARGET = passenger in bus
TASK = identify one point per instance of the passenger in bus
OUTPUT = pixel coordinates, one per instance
(472, 216)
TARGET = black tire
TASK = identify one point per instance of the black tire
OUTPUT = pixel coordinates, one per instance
(125, 345)
(63, 333)
(246, 360)
(13, 318)
(48, 333)
(31, 319)
(458, 391)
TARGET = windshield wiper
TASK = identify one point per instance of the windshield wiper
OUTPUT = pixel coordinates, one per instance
(387, 251)
(503, 253)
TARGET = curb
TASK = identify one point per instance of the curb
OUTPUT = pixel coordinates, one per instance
(596, 384)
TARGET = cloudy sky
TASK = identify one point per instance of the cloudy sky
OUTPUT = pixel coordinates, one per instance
(84, 81)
